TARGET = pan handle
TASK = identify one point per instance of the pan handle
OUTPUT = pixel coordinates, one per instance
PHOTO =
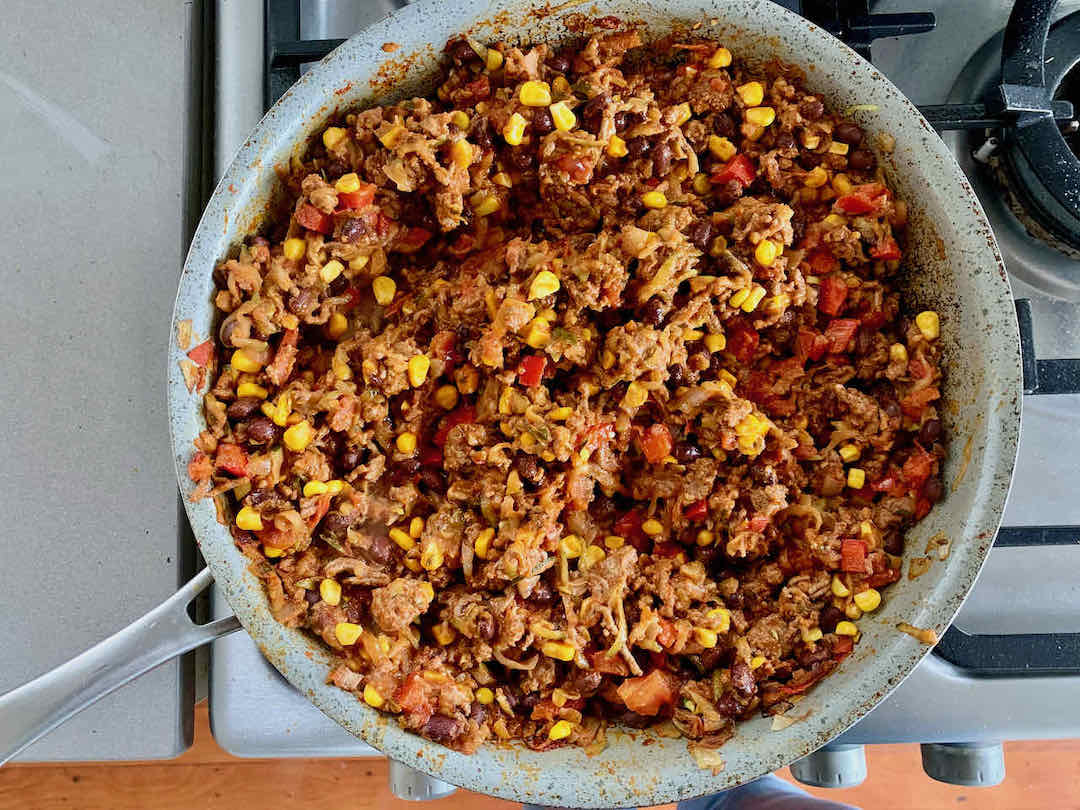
(36, 708)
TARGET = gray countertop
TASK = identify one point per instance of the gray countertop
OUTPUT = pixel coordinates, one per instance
(96, 98)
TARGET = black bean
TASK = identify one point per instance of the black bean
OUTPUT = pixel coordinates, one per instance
(829, 618)
(661, 159)
(522, 157)
(652, 313)
(848, 132)
(243, 407)
(529, 701)
(261, 431)
(685, 452)
(933, 489)
(480, 132)
(432, 479)
(812, 108)
(785, 140)
(742, 678)
(808, 160)
(716, 365)
(724, 124)
(638, 147)
(478, 713)
(727, 194)
(353, 229)
(404, 471)
(621, 121)
(542, 594)
(862, 160)
(312, 596)
(485, 626)
(559, 63)
(679, 375)
(701, 234)
(529, 469)
(929, 433)
(541, 121)
(441, 729)
(261, 495)
(592, 114)
(461, 51)
(302, 302)
(380, 551)
(892, 541)
(336, 524)
(350, 459)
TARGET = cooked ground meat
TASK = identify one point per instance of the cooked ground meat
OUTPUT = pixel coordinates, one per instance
(576, 393)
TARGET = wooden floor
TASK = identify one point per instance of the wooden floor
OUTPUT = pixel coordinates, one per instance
(1042, 775)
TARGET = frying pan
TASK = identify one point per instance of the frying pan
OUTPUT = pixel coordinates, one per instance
(955, 268)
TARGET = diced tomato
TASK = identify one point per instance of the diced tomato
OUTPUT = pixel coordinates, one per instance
(322, 506)
(884, 484)
(361, 198)
(886, 249)
(853, 556)
(742, 342)
(650, 693)
(232, 458)
(915, 403)
(531, 370)
(822, 262)
(809, 344)
(758, 523)
(313, 219)
(414, 696)
(414, 239)
(839, 333)
(200, 467)
(873, 321)
(274, 537)
(464, 415)
(832, 295)
(200, 355)
(628, 526)
(740, 168)
(918, 467)
(843, 645)
(699, 510)
(577, 167)
(666, 549)
(284, 358)
(431, 456)
(886, 576)
(656, 443)
(667, 634)
(865, 199)
(918, 367)
(922, 507)
(608, 664)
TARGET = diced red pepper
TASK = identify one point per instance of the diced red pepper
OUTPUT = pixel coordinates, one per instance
(666, 549)
(809, 344)
(414, 239)
(868, 198)
(742, 342)
(284, 358)
(832, 294)
(853, 556)
(656, 443)
(740, 168)
(843, 645)
(608, 664)
(414, 696)
(823, 262)
(531, 370)
(361, 198)
(650, 693)
(758, 523)
(915, 403)
(839, 333)
(918, 467)
(322, 506)
(886, 249)
(628, 526)
(884, 484)
(431, 456)
(464, 415)
(200, 355)
(232, 458)
(698, 510)
(918, 367)
(667, 634)
(313, 219)
(873, 321)
(886, 576)
(274, 537)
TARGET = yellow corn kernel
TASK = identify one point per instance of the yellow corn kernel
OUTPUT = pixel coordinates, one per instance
(251, 390)
(715, 342)
(614, 541)
(559, 697)
(691, 335)
(446, 397)
(560, 85)
(751, 93)
(721, 618)
(752, 300)
(850, 453)
(249, 520)
(383, 288)
(835, 220)
(332, 136)
(856, 478)
(617, 147)
(842, 185)
(560, 414)
(591, 556)
(299, 436)
(635, 396)
(494, 60)
(557, 650)
(461, 153)
(514, 131)
(348, 183)
(777, 303)
(242, 361)
(653, 199)
(562, 116)
(682, 114)
(722, 148)
(929, 324)
(846, 629)
(701, 183)
(718, 246)
(705, 538)
(444, 633)
(413, 565)
(337, 326)
(402, 538)
(838, 587)
(728, 377)
(431, 557)
(484, 696)
(761, 116)
(416, 527)
(460, 118)
(273, 552)
(739, 297)
(757, 661)
(528, 441)
(482, 543)
(571, 546)
(838, 148)
(372, 698)
(294, 249)
(538, 333)
(720, 58)
(560, 730)
(313, 488)
(810, 140)
(812, 635)
(535, 94)
(468, 379)
(607, 359)
(705, 637)
(652, 527)
(866, 532)
(502, 179)
(406, 443)
(288, 320)
(852, 611)
(898, 353)
(330, 591)
(868, 600)
(816, 177)
(331, 270)
(359, 263)
(347, 633)
(335, 486)
(428, 590)
(484, 205)
(419, 364)
(391, 135)
(546, 283)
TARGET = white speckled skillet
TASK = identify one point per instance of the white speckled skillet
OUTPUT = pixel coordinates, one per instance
(955, 269)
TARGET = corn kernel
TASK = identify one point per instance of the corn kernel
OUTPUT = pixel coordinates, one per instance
(538, 333)
(591, 556)
(251, 390)
(428, 590)
(402, 538)
(528, 441)
(562, 116)
(335, 487)
(777, 303)
(383, 288)
(838, 587)
(607, 359)
(273, 552)
(617, 147)
(347, 633)
(739, 297)
(752, 300)
(841, 184)
(856, 478)
(494, 60)
(431, 557)
(313, 488)
(337, 326)
(728, 377)
(614, 541)
(331, 270)
(468, 379)
(482, 544)
(546, 283)
(460, 118)
(242, 361)
(560, 414)
(816, 177)
(653, 199)
(299, 436)
(359, 263)
(898, 353)
(705, 538)
(560, 85)
(461, 153)
(812, 635)
(372, 698)
(294, 249)
(406, 443)
(330, 591)
(484, 205)
(557, 650)
(444, 633)
(810, 140)
(849, 453)
(757, 661)
(348, 183)
(652, 527)
(852, 611)
(751, 93)
(705, 637)
(332, 136)
(419, 364)
(718, 246)
(761, 116)
(721, 618)
(720, 58)
(682, 114)
(835, 220)
(502, 179)
(446, 397)
(249, 520)
(514, 131)
(868, 600)
(701, 183)
(722, 148)
(535, 94)
(929, 324)
(484, 696)
(635, 396)
(413, 565)
(390, 136)
(846, 629)
(560, 730)
(571, 546)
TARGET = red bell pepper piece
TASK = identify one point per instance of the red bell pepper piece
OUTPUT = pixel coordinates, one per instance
(666, 635)
(886, 249)
(918, 467)
(531, 370)
(274, 537)
(232, 458)
(886, 576)
(742, 342)
(650, 693)
(810, 345)
(740, 168)
(464, 415)
(855, 204)
(832, 294)
(313, 219)
(758, 523)
(322, 506)
(698, 510)
(628, 526)
(915, 403)
(608, 664)
(873, 321)
(353, 200)
(201, 354)
(656, 443)
(853, 556)
(666, 549)
(414, 696)
(843, 645)
(839, 333)
(822, 262)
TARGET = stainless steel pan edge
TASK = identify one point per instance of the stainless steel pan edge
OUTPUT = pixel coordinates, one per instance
(956, 269)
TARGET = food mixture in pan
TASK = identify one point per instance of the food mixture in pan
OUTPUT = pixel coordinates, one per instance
(580, 392)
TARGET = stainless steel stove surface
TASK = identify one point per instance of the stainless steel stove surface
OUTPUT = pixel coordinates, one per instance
(1032, 590)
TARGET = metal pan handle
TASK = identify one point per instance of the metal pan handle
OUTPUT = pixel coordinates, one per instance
(36, 708)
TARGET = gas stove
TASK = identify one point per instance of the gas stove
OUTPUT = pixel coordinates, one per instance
(1009, 668)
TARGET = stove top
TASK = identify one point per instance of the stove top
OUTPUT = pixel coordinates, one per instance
(1009, 664)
